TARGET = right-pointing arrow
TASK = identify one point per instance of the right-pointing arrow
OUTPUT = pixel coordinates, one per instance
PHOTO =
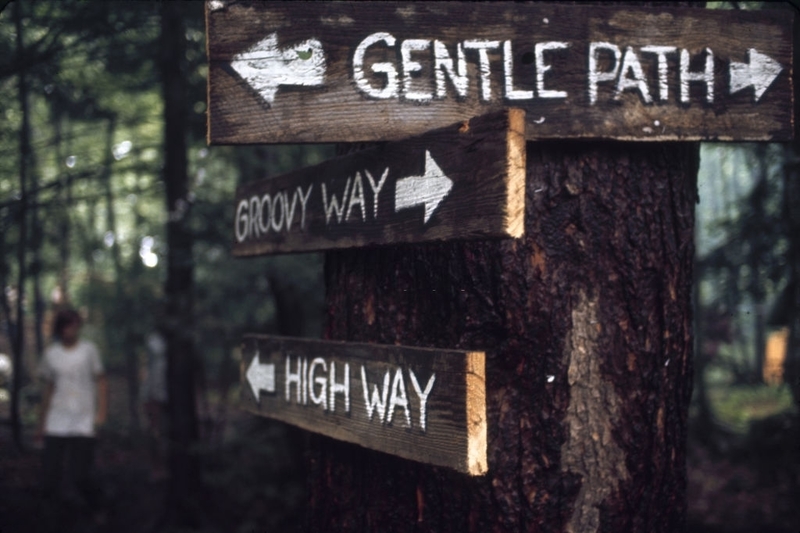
(429, 189)
(261, 377)
(760, 71)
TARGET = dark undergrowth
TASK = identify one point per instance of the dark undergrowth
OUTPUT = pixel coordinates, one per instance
(745, 482)
(252, 471)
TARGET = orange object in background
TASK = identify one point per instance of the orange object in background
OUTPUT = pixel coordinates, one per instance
(775, 356)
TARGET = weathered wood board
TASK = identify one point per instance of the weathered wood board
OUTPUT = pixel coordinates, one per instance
(421, 404)
(463, 181)
(368, 71)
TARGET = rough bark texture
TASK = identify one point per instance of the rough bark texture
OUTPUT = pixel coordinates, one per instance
(587, 325)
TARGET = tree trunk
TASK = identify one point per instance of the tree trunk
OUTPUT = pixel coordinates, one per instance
(791, 214)
(18, 334)
(121, 327)
(182, 505)
(703, 421)
(757, 252)
(587, 326)
(36, 258)
(65, 203)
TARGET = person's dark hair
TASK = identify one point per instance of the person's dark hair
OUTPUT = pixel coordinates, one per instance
(64, 318)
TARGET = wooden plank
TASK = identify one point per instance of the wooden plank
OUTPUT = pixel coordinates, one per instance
(463, 181)
(421, 404)
(365, 71)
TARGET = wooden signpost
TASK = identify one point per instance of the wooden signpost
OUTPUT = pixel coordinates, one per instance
(366, 71)
(466, 180)
(583, 401)
(420, 404)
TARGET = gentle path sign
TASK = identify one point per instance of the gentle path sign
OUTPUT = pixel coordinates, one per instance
(421, 404)
(463, 181)
(365, 71)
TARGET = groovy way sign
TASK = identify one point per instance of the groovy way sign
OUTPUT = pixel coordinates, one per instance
(365, 71)
(463, 181)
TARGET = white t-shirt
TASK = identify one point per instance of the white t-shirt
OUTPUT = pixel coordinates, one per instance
(73, 372)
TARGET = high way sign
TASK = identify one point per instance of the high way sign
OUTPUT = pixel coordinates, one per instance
(463, 181)
(365, 71)
(417, 403)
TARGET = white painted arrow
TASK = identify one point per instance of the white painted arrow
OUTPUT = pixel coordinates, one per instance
(429, 189)
(760, 71)
(265, 67)
(261, 377)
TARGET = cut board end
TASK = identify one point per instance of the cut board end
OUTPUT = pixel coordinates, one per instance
(477, 464)
(515, 173)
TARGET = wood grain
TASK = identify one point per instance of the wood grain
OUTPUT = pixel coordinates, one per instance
(450, 433)
(336, 110)
(484, 157)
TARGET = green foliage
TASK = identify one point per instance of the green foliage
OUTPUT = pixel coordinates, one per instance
(97, 137)
(737, 406)
(742, 241)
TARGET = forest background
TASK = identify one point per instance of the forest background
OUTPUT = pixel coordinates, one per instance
(103, 163)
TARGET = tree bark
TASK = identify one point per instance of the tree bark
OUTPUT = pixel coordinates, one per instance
(587, 326)
(182, 505)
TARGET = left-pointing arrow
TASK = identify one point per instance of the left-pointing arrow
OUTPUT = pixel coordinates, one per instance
(265, 66)
(261, 377)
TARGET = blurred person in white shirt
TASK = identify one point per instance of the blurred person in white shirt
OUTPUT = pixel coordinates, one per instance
(74, 405)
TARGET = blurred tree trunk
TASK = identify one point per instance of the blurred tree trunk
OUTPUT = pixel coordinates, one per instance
(65, 202)
(791, 212)
(290, 313)
(18, 331)
(121, 328)
(183, 508)
(35, 224)
(290, 318)
(759, 251)
(792, 217)
(36, 256)
(86, 229)
(587, 326)
(703, 422)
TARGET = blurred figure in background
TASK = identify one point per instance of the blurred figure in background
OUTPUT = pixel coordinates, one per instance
(154, 393)
(74, 405)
